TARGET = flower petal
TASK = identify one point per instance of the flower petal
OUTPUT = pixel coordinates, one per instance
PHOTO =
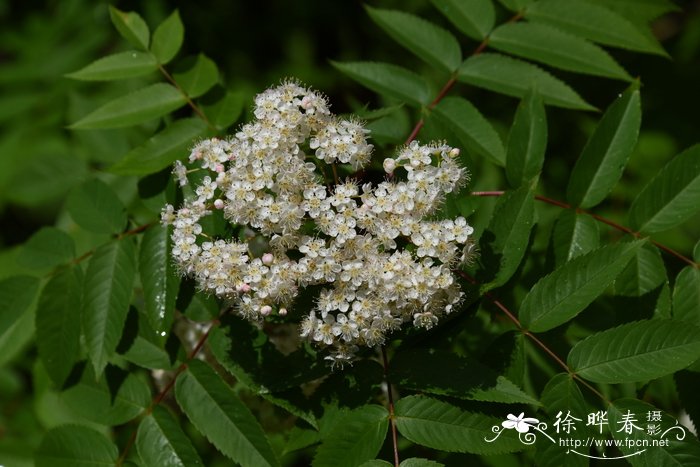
(509, 424)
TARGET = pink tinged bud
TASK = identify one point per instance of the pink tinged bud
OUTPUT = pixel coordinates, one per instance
(454, 152)
(282, 312)
(242, 288)
(267, 259)
(197, 155)
(219, 168)
(306, 102)
(218, 204)
(265, 310)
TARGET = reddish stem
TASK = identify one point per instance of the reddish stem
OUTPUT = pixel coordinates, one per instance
(602, 219)
(188, 99)
(164, 392)
(451, 82)
(530, 335)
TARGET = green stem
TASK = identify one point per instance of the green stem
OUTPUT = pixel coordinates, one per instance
(392, 415)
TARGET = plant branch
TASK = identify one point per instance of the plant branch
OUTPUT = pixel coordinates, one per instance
(530, 335)
(188, 99)
(134, 231)
(441, 95)
(392, 416)
(602, 219)
(451, 82)
(164, 392)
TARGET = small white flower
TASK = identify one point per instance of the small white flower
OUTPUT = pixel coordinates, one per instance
(378, 258)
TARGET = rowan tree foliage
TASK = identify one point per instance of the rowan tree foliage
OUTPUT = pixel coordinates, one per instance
(372, 238)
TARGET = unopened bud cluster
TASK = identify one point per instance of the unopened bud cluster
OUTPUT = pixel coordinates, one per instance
(377, 259)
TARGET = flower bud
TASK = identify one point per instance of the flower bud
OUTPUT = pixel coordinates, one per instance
(389, 165)
(243, 288)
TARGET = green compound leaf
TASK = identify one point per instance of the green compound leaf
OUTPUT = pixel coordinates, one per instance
(168, 37)
(686, 296)
(160, 441)
(514, 77)
(224, 111)
(162, 149)
(159, 278)
(527, 141)
(147, 348)
(376, 463)
(131, 26)
(117, 66)
(95, 207)
(57, 329)
(386, 79)
(247, 353)
(672, 197)
(439, 425)
(418, 462)
(475, 18)
(562, 394)
(218, 414)
(16, 295)
(470, 126)
(300, 438)
(605, 155)
(593, 22)
(75, 445)
(107, 292)
(556, 48)
(680, 449)
(515, 5)
(47, 248)
(200, 77)
(142, 105)
(505, 240)
(113, 400)
(644, 273)
(431, 43)
(356, 437)
(641, 12)
(573, 235)
(637, 351)
(443, 373)
(563, 294)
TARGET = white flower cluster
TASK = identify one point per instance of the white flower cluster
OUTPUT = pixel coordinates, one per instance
(377, 258)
